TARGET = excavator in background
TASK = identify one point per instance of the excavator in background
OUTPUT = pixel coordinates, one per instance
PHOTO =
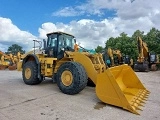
(70, 69)
(114, 58)
(146, 61)
(128, 60)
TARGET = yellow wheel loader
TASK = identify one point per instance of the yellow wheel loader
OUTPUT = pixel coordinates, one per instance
(5, 61)
(118, 86)
(8, 61)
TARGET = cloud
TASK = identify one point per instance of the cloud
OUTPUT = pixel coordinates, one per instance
(131, 15)
(88, 32)
(3, 47)
(125, 9)
(91, 33)
(67, 12)
(11, 34)
(83, 9)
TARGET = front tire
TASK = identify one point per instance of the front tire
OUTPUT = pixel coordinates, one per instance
(30, 73)
(71, 78)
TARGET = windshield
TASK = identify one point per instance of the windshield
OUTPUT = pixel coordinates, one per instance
(66, 41)
(52, 40)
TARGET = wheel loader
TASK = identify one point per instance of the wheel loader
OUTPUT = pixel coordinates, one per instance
(4, 62)
(118, 86)
(8, 61)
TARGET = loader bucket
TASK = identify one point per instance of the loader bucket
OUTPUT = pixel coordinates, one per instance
(119, 86)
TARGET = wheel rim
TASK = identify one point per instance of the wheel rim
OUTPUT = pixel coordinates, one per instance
(28, 73)
(67, 78)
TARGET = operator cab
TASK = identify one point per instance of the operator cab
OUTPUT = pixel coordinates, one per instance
(58, 43)
(153, 58)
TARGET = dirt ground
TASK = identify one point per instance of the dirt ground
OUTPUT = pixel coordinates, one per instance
(19, 101)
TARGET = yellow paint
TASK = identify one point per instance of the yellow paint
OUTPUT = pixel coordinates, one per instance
(118, 86)
(27, 73)
(67, 78)
(121, 87)
(19, 66)
(143, 53)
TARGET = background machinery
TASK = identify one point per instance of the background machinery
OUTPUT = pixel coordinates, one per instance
(128, 60)
(114, 58)
(118, 86)
(4, 61)
(9, 61)
(13, 61)
(146, 61)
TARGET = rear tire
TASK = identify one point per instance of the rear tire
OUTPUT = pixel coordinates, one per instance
(71, 78)
(30, 73)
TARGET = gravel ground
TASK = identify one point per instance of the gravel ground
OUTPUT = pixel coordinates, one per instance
(45, 101)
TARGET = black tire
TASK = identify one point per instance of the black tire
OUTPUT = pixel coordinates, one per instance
(54, 78)
(33, 79)
(79, 75)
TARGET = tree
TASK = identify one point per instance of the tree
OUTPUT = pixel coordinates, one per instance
(125, 44)
(153, 40)
(128, 45)
(137, 33)
(99, 49)
(14, 49)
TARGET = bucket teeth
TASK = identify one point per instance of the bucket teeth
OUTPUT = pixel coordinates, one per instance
(140, 104)
(138, 100)
(147, 91)
(141, 101)
(145, 99)
(142, 97)
(137, 108)
(145, 96)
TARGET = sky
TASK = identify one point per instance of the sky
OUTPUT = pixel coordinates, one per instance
(92, 22)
